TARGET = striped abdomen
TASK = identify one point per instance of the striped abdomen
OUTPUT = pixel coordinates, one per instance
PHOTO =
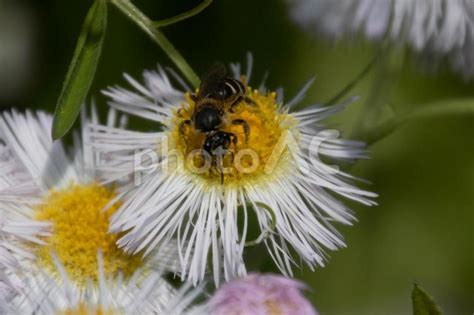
(233, 87)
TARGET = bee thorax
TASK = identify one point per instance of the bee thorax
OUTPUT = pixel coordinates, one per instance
(207, 119)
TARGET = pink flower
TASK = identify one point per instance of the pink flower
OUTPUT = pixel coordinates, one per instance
(259, 294)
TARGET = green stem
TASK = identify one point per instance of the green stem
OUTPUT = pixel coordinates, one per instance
(389, 64)
(147, 25)
(436, 109)
(352, 83)
(183, 16)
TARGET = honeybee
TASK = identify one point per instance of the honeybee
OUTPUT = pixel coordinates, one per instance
(218, 94)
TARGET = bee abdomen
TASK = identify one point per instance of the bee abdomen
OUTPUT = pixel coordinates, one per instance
(234, 87)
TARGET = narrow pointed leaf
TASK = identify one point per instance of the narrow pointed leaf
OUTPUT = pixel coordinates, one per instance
(423, 304)
(81, 70)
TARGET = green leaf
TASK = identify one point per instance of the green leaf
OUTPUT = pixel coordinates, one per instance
(423, 304)
(81, 70)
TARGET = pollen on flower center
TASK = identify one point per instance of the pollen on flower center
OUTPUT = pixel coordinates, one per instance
(84, 310)
(249, 158)
(80, 230)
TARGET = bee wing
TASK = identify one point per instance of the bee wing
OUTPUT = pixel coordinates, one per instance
(211, 80)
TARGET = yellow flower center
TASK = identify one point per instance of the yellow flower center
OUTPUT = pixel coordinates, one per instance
(82, 309)
(252, 157)
(80, 230)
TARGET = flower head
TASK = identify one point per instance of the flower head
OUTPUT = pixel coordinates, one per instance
(143, 294)
(431, 27)
(259, 294)
(269, 169)
(54, 219)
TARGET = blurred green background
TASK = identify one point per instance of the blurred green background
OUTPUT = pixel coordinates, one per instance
(422, 229)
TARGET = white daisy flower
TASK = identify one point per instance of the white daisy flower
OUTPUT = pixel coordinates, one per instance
(272, 173)
(431, 27)
(142, 294)
(54, 213)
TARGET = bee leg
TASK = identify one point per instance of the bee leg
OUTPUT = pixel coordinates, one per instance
(249, 101)
(245, 125)
(219, 163)
(233, 138)
(193, 97)
(182, 126)
(231, 109)
(234, 104)
(246, 99)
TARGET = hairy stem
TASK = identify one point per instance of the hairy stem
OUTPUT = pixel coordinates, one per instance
(346, 89)
(388, 66)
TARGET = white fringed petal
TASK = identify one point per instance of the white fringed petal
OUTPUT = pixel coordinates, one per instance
(145, 293)
(17, 192)
(30, 166)
(434, 28)
(162, 207)
(9, 288)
